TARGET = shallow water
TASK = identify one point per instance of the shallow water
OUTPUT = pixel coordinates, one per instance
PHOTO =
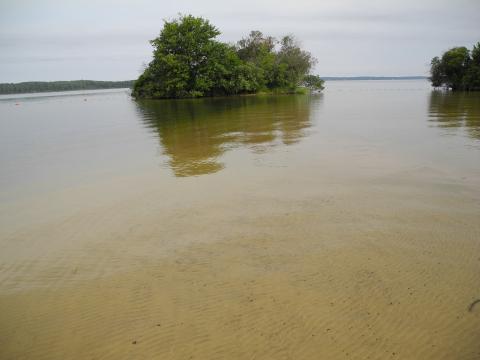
(341, 225)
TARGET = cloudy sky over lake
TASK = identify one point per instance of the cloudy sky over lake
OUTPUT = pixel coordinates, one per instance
(108, 39)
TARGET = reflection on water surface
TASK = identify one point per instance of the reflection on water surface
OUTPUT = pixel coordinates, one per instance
(456, 110)
(334, 227)
(195, 133)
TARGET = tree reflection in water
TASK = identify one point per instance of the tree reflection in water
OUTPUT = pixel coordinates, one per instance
(194, 133)
(456, 110)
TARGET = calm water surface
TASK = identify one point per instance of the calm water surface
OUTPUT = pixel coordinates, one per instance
(340, 225)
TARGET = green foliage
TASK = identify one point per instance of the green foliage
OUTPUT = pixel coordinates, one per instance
(258, 51)
(302, 90)
(183, 59)
(293, 63)
(188, 61)
(472, 75)
(255, 47)
(457, 69)
(44, 86)
(313, 82)
(436, 72)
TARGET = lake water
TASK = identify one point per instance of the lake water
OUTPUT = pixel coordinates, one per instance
(339, 225)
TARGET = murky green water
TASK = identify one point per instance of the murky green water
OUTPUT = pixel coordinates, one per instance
(340, 225)
(53, 141)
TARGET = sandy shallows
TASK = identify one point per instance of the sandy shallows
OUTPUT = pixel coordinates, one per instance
(332, 272)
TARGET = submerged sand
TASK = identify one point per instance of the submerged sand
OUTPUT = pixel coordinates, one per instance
(371, 271)
(282, 232)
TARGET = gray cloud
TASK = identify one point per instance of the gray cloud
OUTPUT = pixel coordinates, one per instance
(107, 39)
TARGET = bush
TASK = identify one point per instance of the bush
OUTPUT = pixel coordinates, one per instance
(457, 69)
(188, 61)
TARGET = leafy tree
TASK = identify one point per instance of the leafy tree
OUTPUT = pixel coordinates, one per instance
(188, 61)
(229, 75)
(313, 82)
(472, 76)
(259, 50)
(293, 63)
(183, 57)
(436, 72)
(457, 69)
(254, 47)
(454, 66)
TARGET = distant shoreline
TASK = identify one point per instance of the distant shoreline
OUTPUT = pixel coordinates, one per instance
(32, 87)
(46, 94)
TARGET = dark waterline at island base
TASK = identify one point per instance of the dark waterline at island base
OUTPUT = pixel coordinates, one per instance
(340, 225)
(86, 85)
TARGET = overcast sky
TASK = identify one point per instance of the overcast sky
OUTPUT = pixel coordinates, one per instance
(108, 39)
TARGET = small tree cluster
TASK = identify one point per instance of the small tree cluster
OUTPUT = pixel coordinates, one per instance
(189, 62)
(457, 69)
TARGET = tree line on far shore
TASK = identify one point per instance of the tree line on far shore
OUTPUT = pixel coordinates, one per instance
(51, 86)
(457, 69)
(188, 61)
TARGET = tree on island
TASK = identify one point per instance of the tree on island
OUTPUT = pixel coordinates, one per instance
(457, 69)
(188, 61)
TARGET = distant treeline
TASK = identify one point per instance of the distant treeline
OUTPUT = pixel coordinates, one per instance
(49, 86)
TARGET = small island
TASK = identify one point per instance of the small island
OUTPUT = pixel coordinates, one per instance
(189, 62)
(458, 69)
